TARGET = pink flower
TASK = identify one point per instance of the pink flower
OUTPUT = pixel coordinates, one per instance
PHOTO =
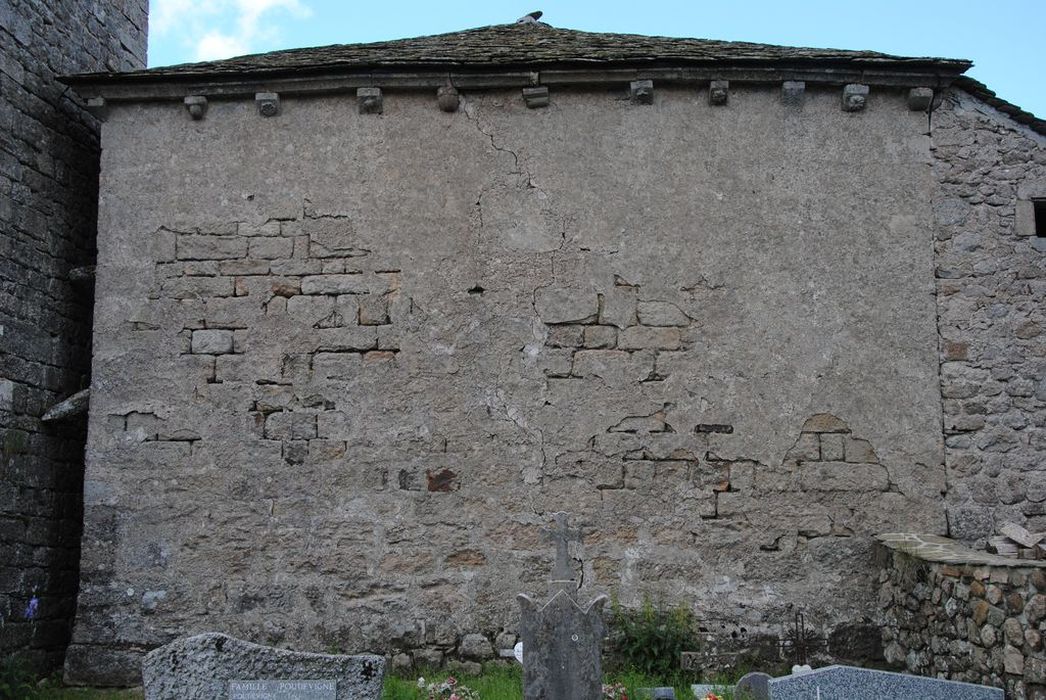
(452, 681)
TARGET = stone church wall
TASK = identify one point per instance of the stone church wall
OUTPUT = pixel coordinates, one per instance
(991, 301)
(48, 195)
(348, 364)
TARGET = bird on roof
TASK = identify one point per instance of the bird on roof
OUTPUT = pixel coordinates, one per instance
(531, 18)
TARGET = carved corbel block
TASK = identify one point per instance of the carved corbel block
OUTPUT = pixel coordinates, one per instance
(448, 98)
(196, 105)
(718, 92)
(642, 92)
(98, 107)
(268, 103)
(793, 92)
(855, 97)
(920, 99)
(369, 100)
(536, 96)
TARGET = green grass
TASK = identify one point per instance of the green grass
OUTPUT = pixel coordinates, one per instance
(506, 683)
(498, 682)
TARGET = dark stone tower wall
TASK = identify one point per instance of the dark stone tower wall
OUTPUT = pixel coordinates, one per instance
(48, 205)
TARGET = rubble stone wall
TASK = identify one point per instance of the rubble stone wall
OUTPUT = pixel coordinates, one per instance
(991, 301)
(968, 622)
(48, 194)
(347, 365)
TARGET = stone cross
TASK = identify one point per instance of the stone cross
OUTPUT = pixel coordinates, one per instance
(562, 641)
(561, 534)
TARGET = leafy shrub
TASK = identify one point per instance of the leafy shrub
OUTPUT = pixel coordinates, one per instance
(649, 639)
(17, 680)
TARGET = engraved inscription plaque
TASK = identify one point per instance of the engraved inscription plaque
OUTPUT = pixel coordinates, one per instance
(283, 690)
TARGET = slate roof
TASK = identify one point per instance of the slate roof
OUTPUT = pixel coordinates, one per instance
(531, 46)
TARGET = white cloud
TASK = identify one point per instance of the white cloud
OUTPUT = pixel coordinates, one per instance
(216, 45)
(215, 29)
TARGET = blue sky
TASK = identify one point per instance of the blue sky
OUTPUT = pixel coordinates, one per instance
(1002, 37)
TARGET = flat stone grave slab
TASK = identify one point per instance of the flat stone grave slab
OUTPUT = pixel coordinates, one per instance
(215, 666)
(852, 683)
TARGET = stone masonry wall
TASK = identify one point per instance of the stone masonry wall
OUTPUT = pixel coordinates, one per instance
(348, 365)
(48, 200)
(991, 301)
(973, 622)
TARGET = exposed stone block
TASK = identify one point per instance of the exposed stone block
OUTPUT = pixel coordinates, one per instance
(203, 247)
(858, 450)
(843, 476)
(561, 305)
(832, 447)
(374, 310)
(661, 313)
(290, 425)
(335, 284)
(616, 367)
(855, 97)
(642, 337)
(270, 248)
(618, 307)
(825, 423)
(807, 448)
(600, 336)
(565, 336)
(212, 341)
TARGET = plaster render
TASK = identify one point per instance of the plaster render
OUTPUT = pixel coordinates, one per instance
(345, 363)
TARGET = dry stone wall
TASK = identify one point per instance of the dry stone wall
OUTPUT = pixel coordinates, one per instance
(991, 301)
(48, 194)
(348, 363)
(954, 613)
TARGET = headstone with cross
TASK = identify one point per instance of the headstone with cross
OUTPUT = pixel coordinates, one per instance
(562, 641)
(561, 534)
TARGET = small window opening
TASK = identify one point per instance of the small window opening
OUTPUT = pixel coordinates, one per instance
(1039, 206)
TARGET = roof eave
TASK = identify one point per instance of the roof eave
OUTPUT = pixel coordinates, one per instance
(326, 79)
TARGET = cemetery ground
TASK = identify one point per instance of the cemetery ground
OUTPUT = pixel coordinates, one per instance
(499, 681)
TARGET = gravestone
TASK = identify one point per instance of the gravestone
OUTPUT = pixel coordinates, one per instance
(562, 641)
(851, 683)
(756, 685)
(218, 667)
(656, 693)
